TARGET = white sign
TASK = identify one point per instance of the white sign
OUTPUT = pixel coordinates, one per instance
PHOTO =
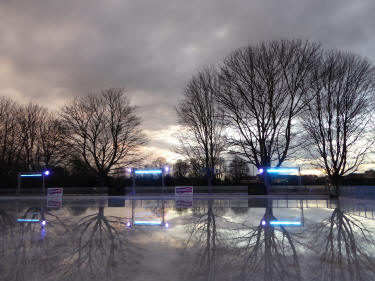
(54, 202)
(184, 203)
(56, 192)
(183, 191)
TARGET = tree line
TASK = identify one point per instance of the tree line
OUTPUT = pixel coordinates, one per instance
(281, 100)
(91, 136)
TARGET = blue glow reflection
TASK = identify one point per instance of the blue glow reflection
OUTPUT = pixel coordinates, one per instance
(27, 220)
(285, 223)
(148, 223)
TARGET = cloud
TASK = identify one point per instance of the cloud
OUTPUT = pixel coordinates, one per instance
(51, 50)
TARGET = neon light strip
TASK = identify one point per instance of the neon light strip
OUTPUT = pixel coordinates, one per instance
(148, 171)
(285, 223)
(30, 175)
(148, 222)
(282, 170)
(27, 220)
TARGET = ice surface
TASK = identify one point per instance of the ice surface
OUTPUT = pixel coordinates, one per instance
(186, 239)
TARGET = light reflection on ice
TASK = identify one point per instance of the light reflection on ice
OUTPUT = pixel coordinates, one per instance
(213, 240)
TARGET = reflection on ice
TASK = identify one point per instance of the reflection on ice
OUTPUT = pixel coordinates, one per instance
(259, 239)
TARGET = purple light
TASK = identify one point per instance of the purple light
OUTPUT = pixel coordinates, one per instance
(129, 170)
(43, 222)
(261, 170)
(166, 225)
(47, 173)
(166, 169)
(264, 222)
(128, 224)
(42, 233)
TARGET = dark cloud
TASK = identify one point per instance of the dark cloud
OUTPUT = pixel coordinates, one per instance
(51, 49)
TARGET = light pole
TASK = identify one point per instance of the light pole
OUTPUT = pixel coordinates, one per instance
(46, 173)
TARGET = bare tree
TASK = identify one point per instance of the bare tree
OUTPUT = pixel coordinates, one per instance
(181, 168)
(339, 112)
(104, 130)
(263, 91)
(238, 168)
(10, 137)
(31, 138)
(52, 140)
(30, 119)
(158, 162)
(201, 121)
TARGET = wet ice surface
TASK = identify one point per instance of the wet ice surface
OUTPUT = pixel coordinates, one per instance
(116, 239)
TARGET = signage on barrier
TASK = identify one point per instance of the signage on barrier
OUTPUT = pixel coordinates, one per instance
(184, 203)
(183, 191)
(54, 197)
(55, 192)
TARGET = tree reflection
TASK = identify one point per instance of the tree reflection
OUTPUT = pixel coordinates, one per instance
(206, 244)
(268, 252)
(7, 223)
(25, 251)
(103, 250)
(345, 248)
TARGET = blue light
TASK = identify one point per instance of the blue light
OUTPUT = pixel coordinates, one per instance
(285, 223)
(128, 224)
(166, 225)
(148, 171)
(147, 223)
(27, 220)
(47, 173)
(166, 169)
(43, 222)
(283, 170)
(261, 170)
(264, 222)
(30, 175)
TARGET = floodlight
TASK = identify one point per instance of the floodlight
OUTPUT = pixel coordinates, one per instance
(30, 175)
(282, 170)
(148, 171)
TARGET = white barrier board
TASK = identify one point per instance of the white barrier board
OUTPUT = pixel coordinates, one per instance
(183, 191)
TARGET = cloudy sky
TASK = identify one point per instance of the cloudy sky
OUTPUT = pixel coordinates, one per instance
(51, 50)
